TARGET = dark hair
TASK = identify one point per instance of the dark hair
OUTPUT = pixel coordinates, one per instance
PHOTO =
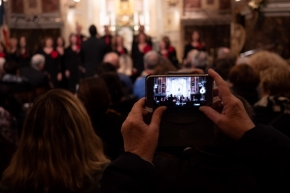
(95, 95)
(71, 35)
(63, 41)
(58, 148)
(10, 67)
(45, 39)
(244, 76)
(105, 67)
(4, 48)
(93, 30)
(223, 67)
(166, 41)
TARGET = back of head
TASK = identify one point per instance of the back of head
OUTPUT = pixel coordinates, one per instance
(200, 60)
(58, 147)
(95, 95)
(244, 76)
(265, 59)
(10, 67)
(223, 67)
(113, 59)
(275, 81)
(37, 61)
(93, 30)
(151, 60)
(164, 67)
(114, 86)
(105, 68)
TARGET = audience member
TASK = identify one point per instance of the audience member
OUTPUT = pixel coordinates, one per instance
(223, 66)
(274, 106)
(223, 52)
(107, 123)
(244, 81)
(107, 37)
(262, 150)
(199, 60)
(92, 52)
(63, 155)
(73, 63)
(151, 60)
(113, 59)
(168, 51)
(265, 59)
(35, 75)
(52, 64)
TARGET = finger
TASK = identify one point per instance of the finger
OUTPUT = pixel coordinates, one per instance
(218, 106)
(212, 114)
(224, 91)
(156, 117)
(137, 109)
(215, 92)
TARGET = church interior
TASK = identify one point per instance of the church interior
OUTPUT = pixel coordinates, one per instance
(79, 112)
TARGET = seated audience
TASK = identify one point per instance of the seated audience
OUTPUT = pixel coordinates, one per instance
(153, 64)
(198, 59)
(11, 82)
(107, 123)
(274, 106)
(58, 150)
(262, 150)
(265, 59)
(113, 59)
(223, 66)
(244, 81)
(34, 74)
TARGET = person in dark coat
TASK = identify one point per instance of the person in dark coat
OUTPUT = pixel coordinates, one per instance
(92, 52)
(108, 39)
(24, 54)
(262, 150)
(34, 74)
(52, 62)
(73, 63)
(12, 53)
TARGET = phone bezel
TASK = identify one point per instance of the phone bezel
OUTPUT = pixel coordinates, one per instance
(149, 89)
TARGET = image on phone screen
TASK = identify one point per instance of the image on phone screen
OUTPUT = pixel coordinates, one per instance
(179, 91)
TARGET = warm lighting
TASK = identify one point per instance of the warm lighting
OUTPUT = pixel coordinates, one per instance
(77, 1)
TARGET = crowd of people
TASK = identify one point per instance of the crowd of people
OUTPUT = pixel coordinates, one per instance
(72, 118)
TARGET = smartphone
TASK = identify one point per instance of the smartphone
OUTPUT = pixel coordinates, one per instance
(179, 91)
(182, 124)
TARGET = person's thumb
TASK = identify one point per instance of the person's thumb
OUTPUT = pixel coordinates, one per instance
(211, 114)
(156, 117)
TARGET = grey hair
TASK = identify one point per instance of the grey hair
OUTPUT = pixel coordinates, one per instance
(36, 60)
(200, 60)
(151, 60)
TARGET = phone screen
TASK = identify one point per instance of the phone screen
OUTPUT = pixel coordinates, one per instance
(179, 91)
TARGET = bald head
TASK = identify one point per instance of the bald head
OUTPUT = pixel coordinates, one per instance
(113, 59)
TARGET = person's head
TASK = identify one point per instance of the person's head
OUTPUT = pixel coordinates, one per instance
(141, 38)
(151, 60)
(107, 30)
(195, 36)
(119, 40)
(2, 48)
(73, 39)
(244, 76)
(113, 59)
(223, 67)
(60, 41)
(10, 67)
(274, 81)
(200, 60)
(22, 41)
(93, 30)
(48, 42)
(95, 95)
(223, 52)
(37, 62)
(13, 43)
(164, 66)
(141, 29)
(263, 60)
(166, 41)
(58, 146)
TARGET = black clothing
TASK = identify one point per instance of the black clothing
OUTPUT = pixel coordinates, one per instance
(12, 56)
(73, 63)
(129, 173)
(35, 78)
(138, 58)
(263, 151)
(124, 51)
(11, 83)
(24, 59)
(189, 47)
(108, 128)
(52, 66)
(250, 95)
(92, 52)
(171, 56)
(108, 41)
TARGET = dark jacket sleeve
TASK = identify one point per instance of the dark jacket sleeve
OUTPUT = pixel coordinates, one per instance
(129, 173)
(266, 153)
